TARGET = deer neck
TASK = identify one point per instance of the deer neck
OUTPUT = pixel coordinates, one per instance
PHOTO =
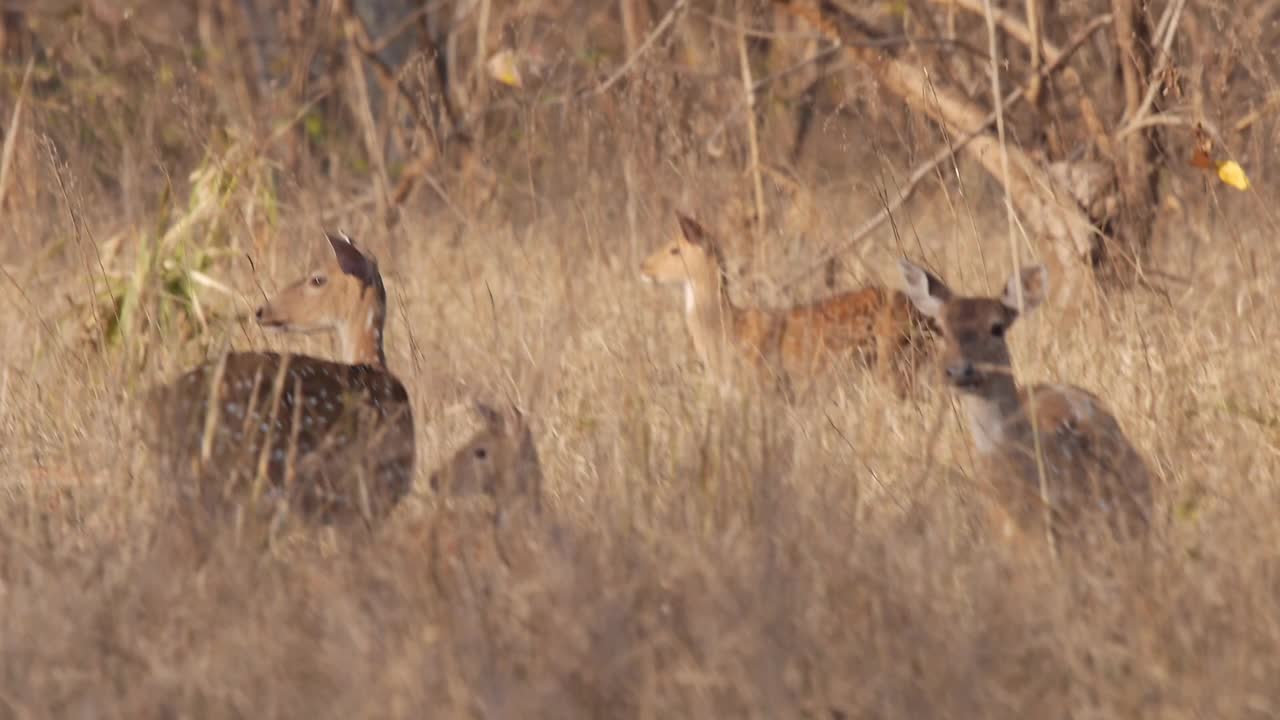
(360, 337)
(994, 414)
(708, 313)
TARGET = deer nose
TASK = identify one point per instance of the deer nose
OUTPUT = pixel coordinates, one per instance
(259, 312)
(962, 373)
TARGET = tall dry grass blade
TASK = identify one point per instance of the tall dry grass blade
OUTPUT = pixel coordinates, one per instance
(11, 137)
(295, 427)
(212, 411)
(753, 131)
(250, 415)
(261, 478)
(1015, 263)
(617, 75)
(362, 107)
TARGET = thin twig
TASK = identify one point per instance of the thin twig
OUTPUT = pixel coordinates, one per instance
(80, 230)
(713, 136)
(870, 470)
(1012, 26)
(753, 142)
(482, 44)
(1269, 104)
(921, 171)
(11, 136)
(762, 83)
(362, 108)
(723, 24)
(37, 313)
(1035, 26)
(404, 25)
(630, 29)
(666, 22)
(1166, 118)
(1169, 25)
(367, 47)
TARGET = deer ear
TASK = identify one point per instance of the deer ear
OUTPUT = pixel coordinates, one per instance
(530, 466)
(350, 259)
(693, 231)
(517, 418)
(925, 290)
(1034, 283)
(493, 419)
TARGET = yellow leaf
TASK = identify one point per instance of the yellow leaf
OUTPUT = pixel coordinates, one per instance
(1232, 174)
(502, 67)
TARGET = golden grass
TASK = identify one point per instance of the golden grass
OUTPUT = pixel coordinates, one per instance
(700, 557)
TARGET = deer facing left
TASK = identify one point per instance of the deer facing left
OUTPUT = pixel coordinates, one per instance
(335, 440)
(793, 344)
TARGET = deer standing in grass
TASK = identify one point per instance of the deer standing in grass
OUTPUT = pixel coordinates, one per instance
(877, 325)
(335, 439)
(1059, 433)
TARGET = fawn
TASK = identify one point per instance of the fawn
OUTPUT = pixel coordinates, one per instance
(879, 326)
(500, 461)
(1091, 472)
(337, 438)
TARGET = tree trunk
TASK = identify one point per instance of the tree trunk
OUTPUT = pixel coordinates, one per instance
(1136, 154)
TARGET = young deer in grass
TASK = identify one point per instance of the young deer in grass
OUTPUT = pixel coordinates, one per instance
(336, 438)
(879, 326)
(500, 461)
(1091, 472)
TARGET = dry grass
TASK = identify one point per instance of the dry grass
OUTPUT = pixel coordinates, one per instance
(701, 557)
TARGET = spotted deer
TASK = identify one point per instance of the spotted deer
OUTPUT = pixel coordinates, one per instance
(878, 326)
(335, 439)
(1061, 433)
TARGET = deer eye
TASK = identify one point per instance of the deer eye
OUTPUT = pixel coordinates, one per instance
(318, 280)
(481, 453)
(675, 251)
(997, 330)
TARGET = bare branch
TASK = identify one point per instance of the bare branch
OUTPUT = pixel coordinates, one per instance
(666, 22)
(1013, 27)
(1037, 47)
(977, 128)
(753, 142)
(1168, 25)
